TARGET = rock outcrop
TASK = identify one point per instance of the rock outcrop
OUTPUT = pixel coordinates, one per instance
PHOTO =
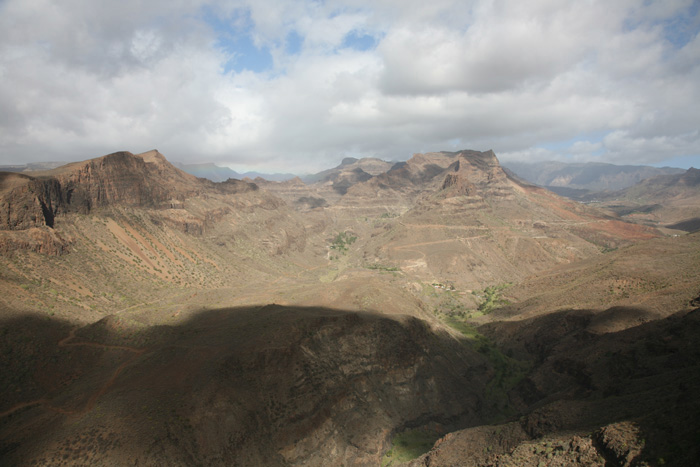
(42, 240)
(265, 386)
(476, 174)
(27, 202)
(125, 179)
(120, 179)
(30, 204)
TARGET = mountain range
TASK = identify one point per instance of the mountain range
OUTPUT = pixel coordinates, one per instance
(437, 311)
(576, 179)
(216, 173)
(564, 178)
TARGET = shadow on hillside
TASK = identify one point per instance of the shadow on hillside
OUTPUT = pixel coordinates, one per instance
(278, 385)
(268, 385)
(689, 225)
(599, 368)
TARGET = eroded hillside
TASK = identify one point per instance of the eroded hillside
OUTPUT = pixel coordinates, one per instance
(149, 316)
(668, 201)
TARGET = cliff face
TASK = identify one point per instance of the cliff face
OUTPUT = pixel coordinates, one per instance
(30, 204)
(431, 172)
(123, 178)
(476, 173)
(27, 202)
(118, 179)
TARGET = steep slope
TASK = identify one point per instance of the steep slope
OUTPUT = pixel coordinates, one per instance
(27, 202)
(254, 386)
(327, 187)
(396, 190)
(166, 319)
(118, 179)
(129, 227)
(472, 225)
(621, 398)
(614, 364)
(125, 179)
(660, 275)
(369, 165)
(586, 177)
(671, 201)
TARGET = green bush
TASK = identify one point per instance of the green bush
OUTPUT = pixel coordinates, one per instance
(341, 242)
(491, 298)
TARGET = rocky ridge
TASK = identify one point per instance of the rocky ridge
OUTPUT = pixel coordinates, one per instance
(667, 201)
(121, 178)
(163, 303)
(468, 219)
(272, 385)
(586, 177)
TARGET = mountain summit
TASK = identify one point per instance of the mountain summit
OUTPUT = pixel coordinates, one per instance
(338, 321)
(120, 178)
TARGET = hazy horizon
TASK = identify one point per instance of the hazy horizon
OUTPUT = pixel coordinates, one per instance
(242, 170)
(278, 87)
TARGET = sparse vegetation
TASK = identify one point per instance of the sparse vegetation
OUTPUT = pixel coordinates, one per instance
(508, 371)
(381, 267)
(145, 284)
(491, 298)
(342, 241)
(408, 445)
(449, 304)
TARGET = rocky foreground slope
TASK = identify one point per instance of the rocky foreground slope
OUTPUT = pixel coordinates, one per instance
(267, 385)
(148, 316)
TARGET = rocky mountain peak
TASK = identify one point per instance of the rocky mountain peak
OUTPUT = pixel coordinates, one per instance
(691, 177)
(296, 181)
(27, 202)
(146, 179)
(120, 178)
(153, 156)
(474, 173)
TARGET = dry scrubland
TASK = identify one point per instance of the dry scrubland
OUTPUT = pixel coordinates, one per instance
(438, 312)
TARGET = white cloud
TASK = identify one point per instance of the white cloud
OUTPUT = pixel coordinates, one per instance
(644, 149)
(80, 78)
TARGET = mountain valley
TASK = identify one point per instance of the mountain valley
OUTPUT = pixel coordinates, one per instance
(438, 311)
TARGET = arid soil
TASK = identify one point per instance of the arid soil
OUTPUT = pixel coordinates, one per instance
(150, 317)
(667, 201)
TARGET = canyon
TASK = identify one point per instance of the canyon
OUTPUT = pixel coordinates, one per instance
(437, 311)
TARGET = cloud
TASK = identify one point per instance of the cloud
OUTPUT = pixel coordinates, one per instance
(384, 78)
(651, 149)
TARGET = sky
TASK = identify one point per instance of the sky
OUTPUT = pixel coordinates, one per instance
(296, 86)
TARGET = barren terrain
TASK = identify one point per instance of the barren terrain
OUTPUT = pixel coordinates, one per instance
(433, 312)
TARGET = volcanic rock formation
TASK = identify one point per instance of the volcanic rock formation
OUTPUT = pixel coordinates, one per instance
(151, 317)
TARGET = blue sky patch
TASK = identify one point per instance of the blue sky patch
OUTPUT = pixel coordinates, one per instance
(245, 55)
(682, 28)
(359, 41)
(562, 147)
(235, 38)
(684, 162)
(293, 43)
